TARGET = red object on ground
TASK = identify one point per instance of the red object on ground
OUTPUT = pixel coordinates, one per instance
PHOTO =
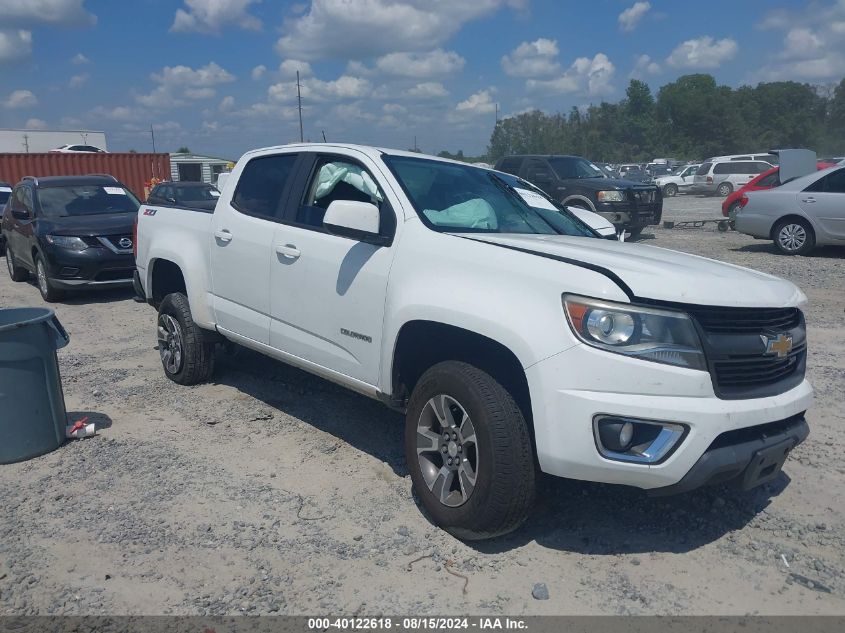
(761, 182)
(133, 170)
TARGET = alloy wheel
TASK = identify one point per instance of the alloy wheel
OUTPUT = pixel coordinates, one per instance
(42, 278)
(792, 237)
(447, 450)
(170, 346)
(10, 262)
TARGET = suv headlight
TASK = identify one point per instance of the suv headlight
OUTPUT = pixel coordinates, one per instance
(661, 336)
(610, 196)
(65, 241)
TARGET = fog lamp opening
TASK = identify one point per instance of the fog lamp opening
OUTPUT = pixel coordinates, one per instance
(637, 441)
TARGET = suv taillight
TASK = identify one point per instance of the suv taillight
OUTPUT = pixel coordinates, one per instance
(709, 180)
(135, 238)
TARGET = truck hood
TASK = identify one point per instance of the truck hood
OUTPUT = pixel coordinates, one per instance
(89, 225)
(661, 274)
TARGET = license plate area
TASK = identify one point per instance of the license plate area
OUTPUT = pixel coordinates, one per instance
(766, 464)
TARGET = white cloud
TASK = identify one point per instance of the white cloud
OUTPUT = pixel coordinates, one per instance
(77, 81)
(532, 59)
(118, 113)
(630, 17)
(592, 77)
(15, 44)
(211, 16)
(258, 72)
(645, 66)
(179, 84)
(702, 53)
(426, 90)
(28, 13)
(36, 124)
(813, 44)
(343, 29)
(20, 99)
(289, 67)
(420, 65)
(315, 90)
(79, 59)
(479, 103)
(227, 103)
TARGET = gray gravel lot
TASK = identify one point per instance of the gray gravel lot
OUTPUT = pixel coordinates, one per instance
(271, 491)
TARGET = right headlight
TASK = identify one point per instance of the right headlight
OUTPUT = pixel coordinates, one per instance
(610, 196)
(661, 336)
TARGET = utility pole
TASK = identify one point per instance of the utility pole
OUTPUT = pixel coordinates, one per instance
(497, 114)
(26, 142)
(299, 99)
(416, 149)
(153, 135)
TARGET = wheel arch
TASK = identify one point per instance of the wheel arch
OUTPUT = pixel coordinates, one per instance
(421, 343)
(791, 216)
(580, 198)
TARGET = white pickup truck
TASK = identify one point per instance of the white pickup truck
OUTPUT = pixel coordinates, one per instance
(510, 336)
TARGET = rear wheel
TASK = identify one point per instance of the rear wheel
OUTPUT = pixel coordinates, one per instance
(48, 291)
(725, 189)
(16, 273)
(187, 356)
(469, 452)
(670, 190)
(794, 236)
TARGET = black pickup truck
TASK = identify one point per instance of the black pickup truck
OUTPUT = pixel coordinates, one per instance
(576, 182)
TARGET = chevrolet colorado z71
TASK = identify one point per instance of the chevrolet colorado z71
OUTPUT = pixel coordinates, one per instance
(511, 338)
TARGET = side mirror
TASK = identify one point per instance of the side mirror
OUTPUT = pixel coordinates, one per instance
(171, 200)
(355, 220)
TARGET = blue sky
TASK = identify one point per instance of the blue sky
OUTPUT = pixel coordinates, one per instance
(218, 75)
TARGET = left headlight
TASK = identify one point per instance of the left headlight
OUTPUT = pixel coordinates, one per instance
(610, 196)
(66, 241)
(661, 336)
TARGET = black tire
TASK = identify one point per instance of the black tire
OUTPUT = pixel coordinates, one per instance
(48, 291)
(16, 273)
(724, 189)
(196, 356)
(803, 238)
(504, 487)
(670, 190)
(634, 232)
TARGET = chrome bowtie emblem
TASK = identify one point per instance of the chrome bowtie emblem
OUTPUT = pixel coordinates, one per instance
(779, 346)
(125, 242)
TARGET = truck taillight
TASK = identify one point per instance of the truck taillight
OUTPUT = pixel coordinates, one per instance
(135, 238)
(709, 180)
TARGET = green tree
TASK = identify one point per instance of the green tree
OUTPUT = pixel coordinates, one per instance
(183, 150)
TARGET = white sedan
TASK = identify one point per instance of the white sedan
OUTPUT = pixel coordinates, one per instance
(800, 214)
(78, 149)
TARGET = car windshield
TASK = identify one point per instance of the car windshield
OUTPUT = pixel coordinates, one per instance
(77, 200)
(574, 167)
(5, 192)
(463, 199)
(196, 194)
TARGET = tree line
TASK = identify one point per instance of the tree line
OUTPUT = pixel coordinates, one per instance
(690, 118)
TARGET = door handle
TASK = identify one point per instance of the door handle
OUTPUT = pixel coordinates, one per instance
(224, 235)
(287, 250)
(809, 200)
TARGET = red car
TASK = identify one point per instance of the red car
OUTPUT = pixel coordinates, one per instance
(766, 180)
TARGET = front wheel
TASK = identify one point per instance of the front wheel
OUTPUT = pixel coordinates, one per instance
(49, 293)
(186, 355)
(794, 236)
(670, 190)
(16, 273)
(469, 452)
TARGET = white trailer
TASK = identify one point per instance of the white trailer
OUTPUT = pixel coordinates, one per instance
(35, 141)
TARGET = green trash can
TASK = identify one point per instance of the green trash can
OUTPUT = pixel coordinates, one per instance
(32, 405)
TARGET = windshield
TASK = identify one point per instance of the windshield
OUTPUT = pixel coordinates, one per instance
(574, 167)
(5, 192)
(196, 194)
(86, 200)
(464, 199)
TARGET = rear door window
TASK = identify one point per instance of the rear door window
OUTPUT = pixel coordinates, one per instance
(835, 182)
(769, 181)
(704, 169)
(725, 168)
(262, 185)
(511, 165)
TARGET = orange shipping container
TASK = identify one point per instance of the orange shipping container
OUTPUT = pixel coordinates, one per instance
(133, 170)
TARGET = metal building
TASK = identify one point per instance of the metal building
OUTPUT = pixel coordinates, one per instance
(196, 168)
(14, 141)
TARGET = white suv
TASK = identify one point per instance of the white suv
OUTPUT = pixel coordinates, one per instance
(726, 176)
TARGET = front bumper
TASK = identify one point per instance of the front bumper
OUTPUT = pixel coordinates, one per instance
(628, 214)
(610, 384)
(91, 268)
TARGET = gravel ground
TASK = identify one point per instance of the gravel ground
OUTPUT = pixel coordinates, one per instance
(271, 491)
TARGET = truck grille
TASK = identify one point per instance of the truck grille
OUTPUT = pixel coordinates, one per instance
(747, 371)
(736, 320)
